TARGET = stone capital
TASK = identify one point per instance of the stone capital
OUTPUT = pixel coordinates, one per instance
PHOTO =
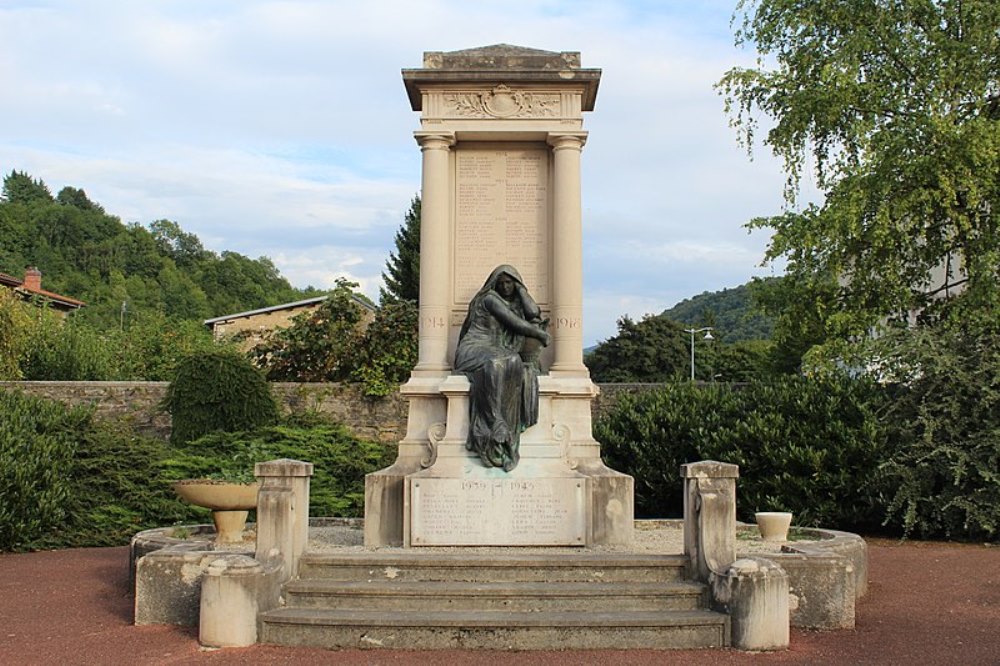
(567, 140)
(431, 140)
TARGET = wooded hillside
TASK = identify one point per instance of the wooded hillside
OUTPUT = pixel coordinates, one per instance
(88, 254)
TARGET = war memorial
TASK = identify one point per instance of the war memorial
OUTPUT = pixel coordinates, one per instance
(498, 526)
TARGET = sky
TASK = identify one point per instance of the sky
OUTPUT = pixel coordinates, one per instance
(282, 129)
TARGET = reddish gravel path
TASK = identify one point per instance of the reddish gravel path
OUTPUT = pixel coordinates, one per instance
(928, 603)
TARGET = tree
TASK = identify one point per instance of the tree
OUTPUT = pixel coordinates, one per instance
(650, 350)
(20, 188)
(402, 269)
(897, 105)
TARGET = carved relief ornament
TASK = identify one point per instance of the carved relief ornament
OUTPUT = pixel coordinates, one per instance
(502, 102)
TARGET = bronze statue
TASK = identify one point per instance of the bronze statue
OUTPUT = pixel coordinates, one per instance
(503, 400)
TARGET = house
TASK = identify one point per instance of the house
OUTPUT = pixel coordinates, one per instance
(30, 289)
(255, 323)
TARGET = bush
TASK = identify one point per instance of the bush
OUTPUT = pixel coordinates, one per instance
(217, 390)
(37, 448)
(67, 480)
(334, 344)
(945, 416)
(340, 461)
(809, 446)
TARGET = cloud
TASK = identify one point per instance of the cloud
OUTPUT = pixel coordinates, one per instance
(282, 128)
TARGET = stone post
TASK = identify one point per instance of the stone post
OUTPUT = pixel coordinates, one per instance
(754, 592)
(567, 255)
(434, 254)
(709, 516)
(230, 599)
(283, 512)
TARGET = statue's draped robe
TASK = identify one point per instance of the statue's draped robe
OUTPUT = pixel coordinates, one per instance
(504, 394)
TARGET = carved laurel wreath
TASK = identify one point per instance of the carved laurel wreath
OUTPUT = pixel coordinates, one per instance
(503, 102)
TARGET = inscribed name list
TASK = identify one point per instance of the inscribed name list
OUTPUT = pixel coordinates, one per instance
(501, 210)
(498, 512)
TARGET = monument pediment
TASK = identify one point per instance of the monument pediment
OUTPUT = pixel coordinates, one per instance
(501, 63)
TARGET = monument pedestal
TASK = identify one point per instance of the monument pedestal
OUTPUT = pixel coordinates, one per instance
(439, 494)
(459, 502)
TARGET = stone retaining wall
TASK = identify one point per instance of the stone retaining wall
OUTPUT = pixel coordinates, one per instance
(382, 419)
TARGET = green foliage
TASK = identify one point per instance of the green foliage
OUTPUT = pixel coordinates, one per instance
(333, 344)
(20, 188)
(318, 345)
(801, 308)
(402, 269)
(217, 390)
(37, 450)
(340, 461)
(66, 350)
(67, 480)
(735, 317)
(945, 416)
(90, 255)
(37, 343)
(388, 349)
(15, 321)
(657, 349)
(808, 446)
(897, 106)
(651, 350)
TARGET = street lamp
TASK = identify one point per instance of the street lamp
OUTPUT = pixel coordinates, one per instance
(708, 336)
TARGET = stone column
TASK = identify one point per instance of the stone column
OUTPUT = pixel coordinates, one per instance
(567, 255)
(434, 253)
(283, 512)
(710, 516)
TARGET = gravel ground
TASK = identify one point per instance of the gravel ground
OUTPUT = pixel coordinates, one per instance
(928, 604)
(659, 536)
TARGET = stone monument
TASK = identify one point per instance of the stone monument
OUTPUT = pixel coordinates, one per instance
(501, 133)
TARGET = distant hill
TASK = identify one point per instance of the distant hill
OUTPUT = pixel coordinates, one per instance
(121, 270)
(730, 312)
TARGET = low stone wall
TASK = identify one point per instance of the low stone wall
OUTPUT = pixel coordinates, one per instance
(382, 420)
(379, 419)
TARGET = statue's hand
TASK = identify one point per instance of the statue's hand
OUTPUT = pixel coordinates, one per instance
(544, 337)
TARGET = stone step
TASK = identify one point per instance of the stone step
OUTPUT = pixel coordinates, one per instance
(492, 566)
(483, 596)
(495, 630)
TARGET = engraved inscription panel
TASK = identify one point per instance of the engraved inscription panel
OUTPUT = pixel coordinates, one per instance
(497, 512)
(501, 210)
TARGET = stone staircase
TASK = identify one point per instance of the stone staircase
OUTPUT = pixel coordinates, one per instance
(508, 599)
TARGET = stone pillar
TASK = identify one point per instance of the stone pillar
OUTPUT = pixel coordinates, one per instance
(754, 592)
(567, 255)
(283, 512)
(435, 257)
(709, 516)
(229, 602)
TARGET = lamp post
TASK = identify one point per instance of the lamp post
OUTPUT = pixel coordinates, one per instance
(708, 336)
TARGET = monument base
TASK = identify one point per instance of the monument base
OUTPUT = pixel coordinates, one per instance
(459, 502)
(557, 454)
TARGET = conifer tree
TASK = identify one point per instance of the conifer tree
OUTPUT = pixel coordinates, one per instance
(402, 274)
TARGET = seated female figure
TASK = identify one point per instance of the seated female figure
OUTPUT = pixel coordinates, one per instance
(503, 400)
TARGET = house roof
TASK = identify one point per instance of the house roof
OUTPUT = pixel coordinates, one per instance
(283, 306)
(58, 299)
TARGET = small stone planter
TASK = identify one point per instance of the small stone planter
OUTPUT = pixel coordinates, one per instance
(230, 504)
(773, 525)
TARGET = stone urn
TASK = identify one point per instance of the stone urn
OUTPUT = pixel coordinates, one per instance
(773, 525)
(230, 503)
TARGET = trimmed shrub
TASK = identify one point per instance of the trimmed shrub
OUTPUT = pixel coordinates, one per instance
(340, 460)
(809, 446)
(217, 391)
